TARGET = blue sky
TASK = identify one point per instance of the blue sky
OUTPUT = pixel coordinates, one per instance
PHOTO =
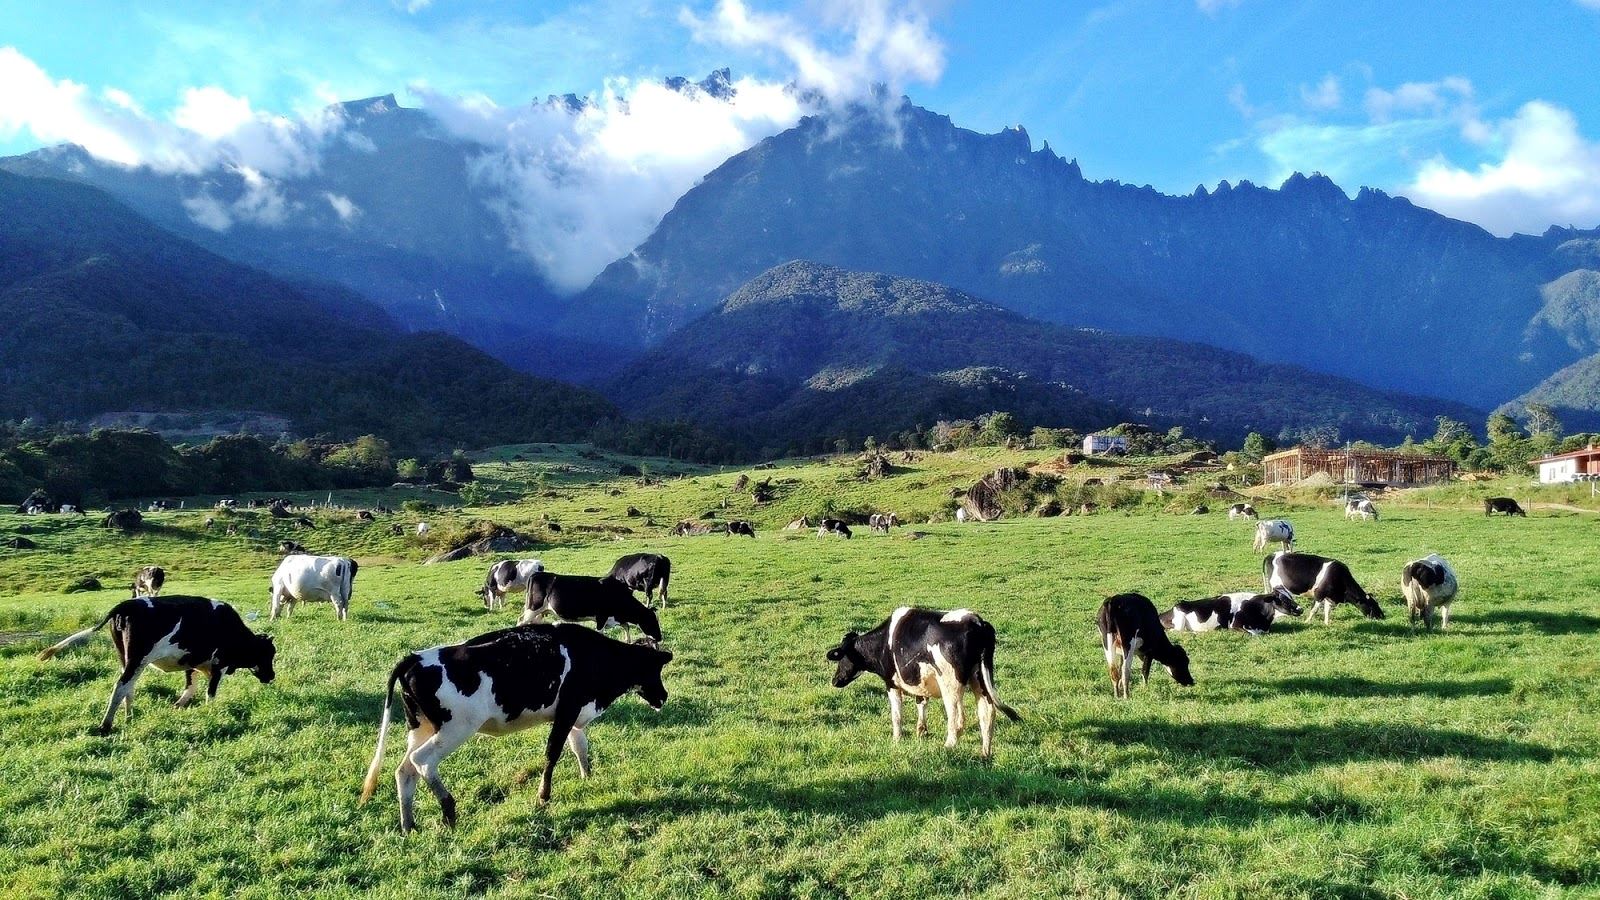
(1486, 110)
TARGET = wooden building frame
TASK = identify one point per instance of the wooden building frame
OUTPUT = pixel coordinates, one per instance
(1374, 467)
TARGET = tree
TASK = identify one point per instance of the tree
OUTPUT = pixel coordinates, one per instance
(1449, 431)
(1256, 446)
(999, 428)
(1542, 420)
(1508, 447)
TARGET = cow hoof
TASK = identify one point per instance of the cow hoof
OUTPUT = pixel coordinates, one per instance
(103, 730)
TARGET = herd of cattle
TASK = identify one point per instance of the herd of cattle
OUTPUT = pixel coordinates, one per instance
(567, 674)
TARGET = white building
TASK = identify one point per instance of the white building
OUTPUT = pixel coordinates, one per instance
(1105, 443)
(1578, 465)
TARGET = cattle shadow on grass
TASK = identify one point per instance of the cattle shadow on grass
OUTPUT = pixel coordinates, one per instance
(1341, 686)
(1301, 747)
(1542, 622)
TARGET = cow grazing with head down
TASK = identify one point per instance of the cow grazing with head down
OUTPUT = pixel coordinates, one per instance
(1244, 611)
(882, 522)
(1242, 511)
(576, 598)
(304, 578)
(148, 581)
(1360, 508)
(1503, 505)
(1274, 531)
(503, 682)
(1130, 627)
(194, 634)
(926, 653)
(505, 577)
(1328, 581)
(833, 526)
(740, 526)
(644, 572)
(1428, 584)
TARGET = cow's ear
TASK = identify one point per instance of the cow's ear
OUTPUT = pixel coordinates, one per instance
(835, 654)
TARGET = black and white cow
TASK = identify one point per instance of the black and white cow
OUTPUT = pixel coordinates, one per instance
(1428, 584)
(1503, 505)
(644, 572)
(148, 580)
(1241, 611)
(507, 576)
(834, 526)
(740, 526)
(194, 634)
(577, 598)
(882, 522)
(304, 578)
(1242, 511)
(503, 682)
(1274, 531)
(926, 653)
(1129, 627)
(1360, 508)
(1328, 581)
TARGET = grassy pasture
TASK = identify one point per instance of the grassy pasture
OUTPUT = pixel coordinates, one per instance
(1344, 761)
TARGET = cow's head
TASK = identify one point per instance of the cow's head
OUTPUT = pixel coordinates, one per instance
(1177, 665)
(849, 659)
(1365, 602)
(1283, 601)
(258, 659)
(648, 623)
(651, 689)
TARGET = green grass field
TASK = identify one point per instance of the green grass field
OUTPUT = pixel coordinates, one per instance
(1345, 761)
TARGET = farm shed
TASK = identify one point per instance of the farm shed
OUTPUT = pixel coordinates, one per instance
(1095, 444)
(1376, 467)
(1578, 465)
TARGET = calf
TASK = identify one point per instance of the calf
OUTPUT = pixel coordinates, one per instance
(503, 682)
(1242, 511)
(1428, 583)
(194, 634)
(926, 653)
(833, 526)
(1327, 580)
(644, 572)
(1129, 627)
(1503, 505)
(1360, 507)
(1241, 611)
(574, 598)
(1274, 531)
(304, 578)
(148, 581)
(739, 526)
(506, 576)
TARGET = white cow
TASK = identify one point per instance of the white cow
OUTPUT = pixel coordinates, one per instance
(1360, 507)
(1274, 531)
(506, 576)
(1428, 584)
(301, 577)
(961, 514)
(422, 528)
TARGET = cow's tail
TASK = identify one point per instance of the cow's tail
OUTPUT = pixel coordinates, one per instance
(347, 578)
(371, 782)
(1266, 573)
(986, 673)
(666, 578)
(78, 638)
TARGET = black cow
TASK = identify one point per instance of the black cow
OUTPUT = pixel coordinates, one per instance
(1129, 627)
(926, 653)
(502, 682)
(148, 581)
(739, 526)
(1327, 580)
(575, 598)
(1241, 611)
(195, 634)
(1504, 506)
(644, 572)
(834, 526)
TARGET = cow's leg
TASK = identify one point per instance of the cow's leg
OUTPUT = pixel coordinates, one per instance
(187, 697)
(123, 694)
(559, 729)
(427, 757)
(1327, 612)
(344, 610)
(986, 724)
(213, 681)
(1112, 667)
(277, 603)
(894, 712)
(664, 592)
(405, 776)
(1144, 660)
(578, 742)
(1128, 653)
(1444, 617)
(922, 717)
(952, 714)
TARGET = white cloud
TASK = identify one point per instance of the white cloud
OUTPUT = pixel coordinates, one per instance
(1212, 7)
(1419, 97)
(343, 206)
(1325, 95)
(1545, 172)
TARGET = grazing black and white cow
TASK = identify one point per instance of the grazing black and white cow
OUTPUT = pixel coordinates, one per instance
(577, 598)
(1241, 611)
(503, 682)
(148, 581)
(1360, 508)
(1129, 627)
(1274, 531)
(1242, 511)
(739, 526)
(194, 634)
(644, 572)
(834, 526)
(1428, 584)
(1327, 580)
(305, 578)
(1503, 505)
(506, 576)
(926, 653)
(882, 522)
